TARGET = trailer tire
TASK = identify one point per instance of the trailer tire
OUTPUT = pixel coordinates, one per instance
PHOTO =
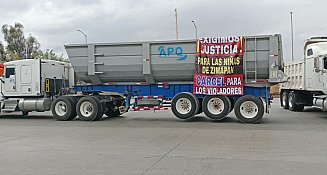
(197, 102)
(216, 107)
(284, 99)
(184, 105)
(89, 108)
(63, 108)
(249, 109)
(293, 106)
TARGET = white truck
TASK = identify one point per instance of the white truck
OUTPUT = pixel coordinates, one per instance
(30, 85)
(307, 79)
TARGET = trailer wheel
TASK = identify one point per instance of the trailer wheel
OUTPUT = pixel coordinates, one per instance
(63, 108)
(249, 109)
(284, 100)
(184, 105)
(89, 108)
(292, 104)
(197, 102)
(216, 107)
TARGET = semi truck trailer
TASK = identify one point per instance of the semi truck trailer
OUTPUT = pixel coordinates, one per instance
(307, 78)
(114, 78)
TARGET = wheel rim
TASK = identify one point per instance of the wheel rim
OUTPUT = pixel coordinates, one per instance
(86, 109)
(284, 99)
(290, 99)
(183, 105)
(215, 106)
(249, 109)
(61, 108)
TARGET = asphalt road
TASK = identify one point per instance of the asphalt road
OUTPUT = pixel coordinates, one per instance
(146, 143)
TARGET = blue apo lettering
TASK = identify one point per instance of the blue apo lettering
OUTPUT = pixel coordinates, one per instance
(165, 52)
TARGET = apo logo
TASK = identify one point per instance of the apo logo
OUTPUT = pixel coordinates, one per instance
(165, 52)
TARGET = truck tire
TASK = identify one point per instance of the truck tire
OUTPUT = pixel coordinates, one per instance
(284, 100)
(63, 108)
(184, 105)
(216, 107)
(292, 105)
(89, 108)
(197, 102)
(249, 109)
(100, 110)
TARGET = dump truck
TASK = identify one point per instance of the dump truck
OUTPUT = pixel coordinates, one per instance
(114, 78)
(307, 78)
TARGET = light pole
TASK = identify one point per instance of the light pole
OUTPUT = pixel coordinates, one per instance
(196, 30)
(84, 35)
(49, 53)
(292, 36)
(176, 23)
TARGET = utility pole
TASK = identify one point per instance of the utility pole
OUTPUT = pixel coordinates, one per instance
(292, 36)
(176, 18)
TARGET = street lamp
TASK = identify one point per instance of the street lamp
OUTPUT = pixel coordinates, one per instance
(196, 30)
(49, 53)
(84, 35)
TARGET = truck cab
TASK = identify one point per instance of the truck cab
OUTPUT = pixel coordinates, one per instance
(316, 64)
(29, 85)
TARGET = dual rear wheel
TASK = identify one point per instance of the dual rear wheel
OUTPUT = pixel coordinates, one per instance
(87, 108)
(288, 100)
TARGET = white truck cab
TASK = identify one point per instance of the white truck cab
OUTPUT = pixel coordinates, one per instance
(29, 85)
(307, 79)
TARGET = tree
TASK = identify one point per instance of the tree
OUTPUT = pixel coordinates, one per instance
(33, 46)
(17, 46)
(50, 55)
(2, 53)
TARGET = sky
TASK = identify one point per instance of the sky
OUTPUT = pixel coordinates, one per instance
(55, 22)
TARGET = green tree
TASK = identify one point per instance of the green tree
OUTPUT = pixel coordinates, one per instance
(2, 53)
(17, 46)
(50, 55)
